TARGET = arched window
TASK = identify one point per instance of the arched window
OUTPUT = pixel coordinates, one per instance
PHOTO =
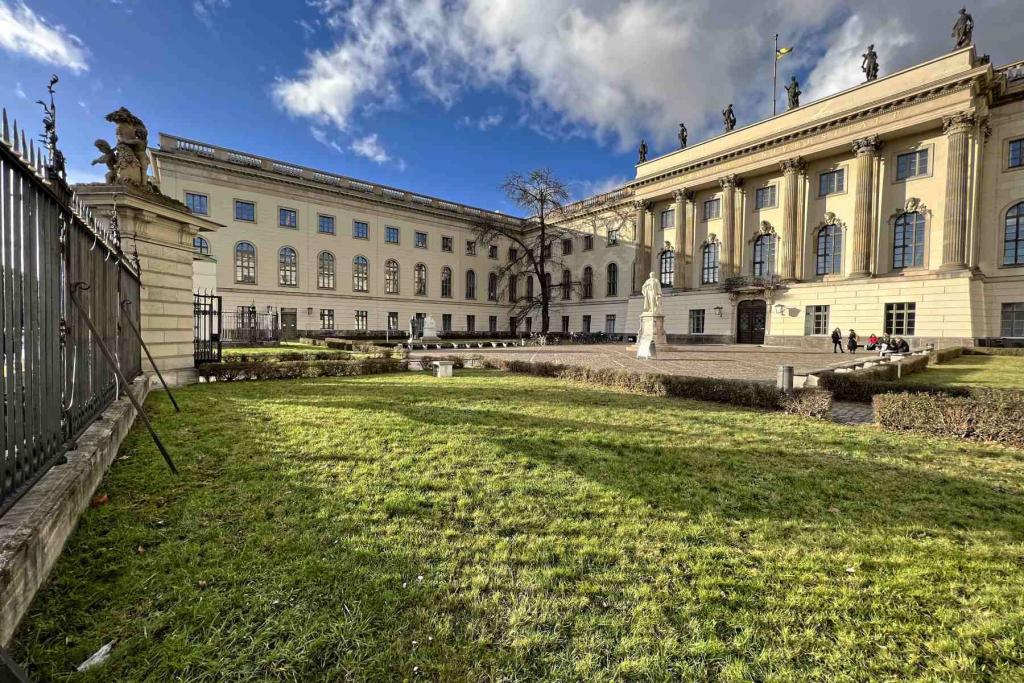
(1013, 237)
(200, 245)
(245, 263)
(830, 250)
(613, 279)
(419, 280)
(492, 286)
(446, 281)
(709, 263)
(588, 283)
(529, 286)
(391, 274)
(513, 288)
(360, 274)
(470, 284)
(667, 268)
(908, 240)
(764, 256)
(287, 267)
(325, 270)
(566, 284)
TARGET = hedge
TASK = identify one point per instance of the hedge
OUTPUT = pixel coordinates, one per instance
(985, 415)
(234, 372)
(286, 356)
(948, 354)
(862, 385)
(993, 351)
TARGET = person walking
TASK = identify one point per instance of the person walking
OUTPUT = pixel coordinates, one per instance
(837, 341)
(851, 342)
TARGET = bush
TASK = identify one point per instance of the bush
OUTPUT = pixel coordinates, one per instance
(992, 351)
(286, 356)
(808, 403)
(234, 372)
(861, 385)
(425, 361)
(984, 415)
(946, 355)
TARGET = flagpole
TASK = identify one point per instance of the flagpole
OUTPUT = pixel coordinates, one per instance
(775, 74)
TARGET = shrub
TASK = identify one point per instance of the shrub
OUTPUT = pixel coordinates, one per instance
(234, 372)
(947, 354)
(425, 361)
(993, 351)
(861, 385)
(808, 403)
(286, 356)
(984, 415)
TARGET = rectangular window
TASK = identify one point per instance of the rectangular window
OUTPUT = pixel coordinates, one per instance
(816, 320)
(420, 240)
(1017, 153)
(325, 224)
(288, 218)
(470, 323)
(668, 219)
(470, 248)
(765, 197)
(513, 254)
(586, 324)
(912, 164)
(565, 324)
(492, 251)
(832, 182)
(1013, 320)
(566, 246)
(245, 211)
(588, 242)
(900, 319)
(713, 208)
(492, 324)
(392, 235)
(513, 324)
(696, 321)
(362, 320)
(447, 243)
(446, 322)
(609, 324)
(613, 237)
(197, 203)
(326, 318)
(360, 230)
(392, 321)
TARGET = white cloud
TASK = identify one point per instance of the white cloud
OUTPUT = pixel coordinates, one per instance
(24, 32)
(205, 9)
(589, 188)
(20, 91)
(321, 136)
(368, 146)
(839, 68)
(484, 123)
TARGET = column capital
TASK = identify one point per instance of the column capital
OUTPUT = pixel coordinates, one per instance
(961, 122)
(730, 181)
(683, 195)
(794, 165)
(642, 204)
(868, 145)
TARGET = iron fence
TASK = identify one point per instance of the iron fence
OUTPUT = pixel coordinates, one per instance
(206, 328)
(248, 326)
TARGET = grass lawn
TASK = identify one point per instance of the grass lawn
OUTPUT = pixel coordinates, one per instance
(501, 527)
(997, 372)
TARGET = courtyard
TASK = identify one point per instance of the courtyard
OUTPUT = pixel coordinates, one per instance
(503, 527)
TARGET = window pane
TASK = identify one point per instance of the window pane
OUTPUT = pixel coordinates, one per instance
(325, 225)
(360, 230)
(245, 211)
(197, 203)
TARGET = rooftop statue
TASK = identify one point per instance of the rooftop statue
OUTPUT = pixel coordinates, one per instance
(728, 118)
(682, 136)
(642, 151)
(793, 93)
(870, 64)
(963, 29)
(127, 162)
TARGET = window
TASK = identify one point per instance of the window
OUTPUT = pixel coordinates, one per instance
(419, 280)
(829, 250)
(1017, 153)
(588, 242)
(832, 182)
(696, 321)
(197, 203)
(545, 250)
(391, 276)
(360, 274)
(420, 240)
(392, 321)
(392, 235)
(668, 219)
(325, 270)
(1013, 236)
(765, 197)
(912, 164)
(245, 263)
(588, 283)
(470, 323)
(470, 284)
(529, 287)
(713, 208)
(1013, 320)
(362, 320)
(613, 237)
(447, 243)
(200, 245)
(667, 268)
(613, 279)
(446, 282)
(492, 324)
(764, 256)
(585, 324)
(513, 288)
(326, 318)
(566, 284)
(567, 246)
(325, 224)
(709, 263)
(513, 254)
(492, 286)
(513, 324)
(446, 322)
(900, 318)
(470, 248)
(245, 211)
(288, 218)
(360, 230)
(908, 241)
(565, 324)
(816, 320)
(492, 251)
(609, 323)
(287, 267)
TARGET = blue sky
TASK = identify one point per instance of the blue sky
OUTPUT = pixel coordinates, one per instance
(446, 97)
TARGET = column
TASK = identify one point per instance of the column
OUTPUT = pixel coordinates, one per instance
(681, 197)
(954, 229)
(789, 244)
(728, 238)
(642, 263)
(864, 169)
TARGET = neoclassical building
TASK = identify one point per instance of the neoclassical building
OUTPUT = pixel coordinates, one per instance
(894, 206)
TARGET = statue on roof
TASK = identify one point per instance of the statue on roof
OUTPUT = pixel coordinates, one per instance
(127, 161)
(963, 29)
(642, 151)
(793, 93)
(870, 64)
(682, 136)
(728, 118)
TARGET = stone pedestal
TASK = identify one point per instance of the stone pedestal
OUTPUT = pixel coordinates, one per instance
(652, 329)
(430, 330)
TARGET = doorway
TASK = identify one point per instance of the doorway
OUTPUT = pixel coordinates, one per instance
(750, 321)
(289, 323)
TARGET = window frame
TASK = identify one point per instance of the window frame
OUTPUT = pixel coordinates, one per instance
(1018, 241)
(470, 247)
(493, 283)
(667, 266)
(567, 246)
(587, 283)
(355, 229)
(669, 224)
(712, 201)
(694, 316)
(321, 275)
(838, 171)
(612, 237)
(284, 267)
(206, 202)
(417, 234)
(817, 317)
(1009, 165)
(420, 279)
(914, 152)
(1016, 309)
(362, 320)
(388, 231)
(774, 189)
(446, 282)
(918, 246)
(360, 274)
(327, 314)
(588, 242)
(470, 284)
(837, 237)
(710, 273)
(282, 211)
(320, 224)
(234, 210)
(448, 244)
(392, 276)
(763, 265)
(235, 252)
(492, 251)
(891, 317)
(203, 246)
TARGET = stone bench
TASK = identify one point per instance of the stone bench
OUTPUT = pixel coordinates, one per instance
(443, 368)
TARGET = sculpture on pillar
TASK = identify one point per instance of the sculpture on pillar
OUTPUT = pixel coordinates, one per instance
(869, 65)
(682, 136)
(652, 320)
(651, 292)
(642, 151)
(793, 93)
(728, 118)
(127, 162)
(963, 29)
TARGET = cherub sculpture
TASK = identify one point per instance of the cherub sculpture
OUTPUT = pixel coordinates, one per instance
(108, 157)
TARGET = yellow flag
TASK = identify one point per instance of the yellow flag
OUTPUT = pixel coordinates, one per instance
(782, 51)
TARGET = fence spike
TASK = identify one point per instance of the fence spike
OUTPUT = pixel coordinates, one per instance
(6, 129)
(15, 135)
(32, 153)
(24, 147)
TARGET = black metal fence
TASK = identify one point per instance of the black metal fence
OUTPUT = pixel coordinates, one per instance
(248, 326)
(55, 381)
(206, 328)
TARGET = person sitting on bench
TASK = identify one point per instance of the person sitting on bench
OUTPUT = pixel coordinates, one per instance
(872, 342)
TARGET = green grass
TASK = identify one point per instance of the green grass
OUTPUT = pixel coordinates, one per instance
(997, 372)
(501, 527)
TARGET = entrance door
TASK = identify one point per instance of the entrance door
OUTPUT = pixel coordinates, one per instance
(289, 323)
(750, 320)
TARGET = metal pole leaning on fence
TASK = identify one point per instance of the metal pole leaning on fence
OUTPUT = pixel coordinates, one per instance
(131, 323)
(75, 287)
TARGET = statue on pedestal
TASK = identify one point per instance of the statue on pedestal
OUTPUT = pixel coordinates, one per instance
(651, 291)
(652, 320)
(793, 93)
(728, 118)
(869, 65)
(642, 151)
(430, 329)
(127, 161)
(682, 136)
(963, 29)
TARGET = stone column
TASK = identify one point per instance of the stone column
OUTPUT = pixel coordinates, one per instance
(643, 245)
(864, 169)
(730, 250)
(681, 197)
(789, 244)
(954, 230)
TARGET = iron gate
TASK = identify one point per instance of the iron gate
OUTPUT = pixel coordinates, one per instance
(206, 325)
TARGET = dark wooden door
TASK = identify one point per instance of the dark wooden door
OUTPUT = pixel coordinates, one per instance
(289, 323)
(750, 321)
